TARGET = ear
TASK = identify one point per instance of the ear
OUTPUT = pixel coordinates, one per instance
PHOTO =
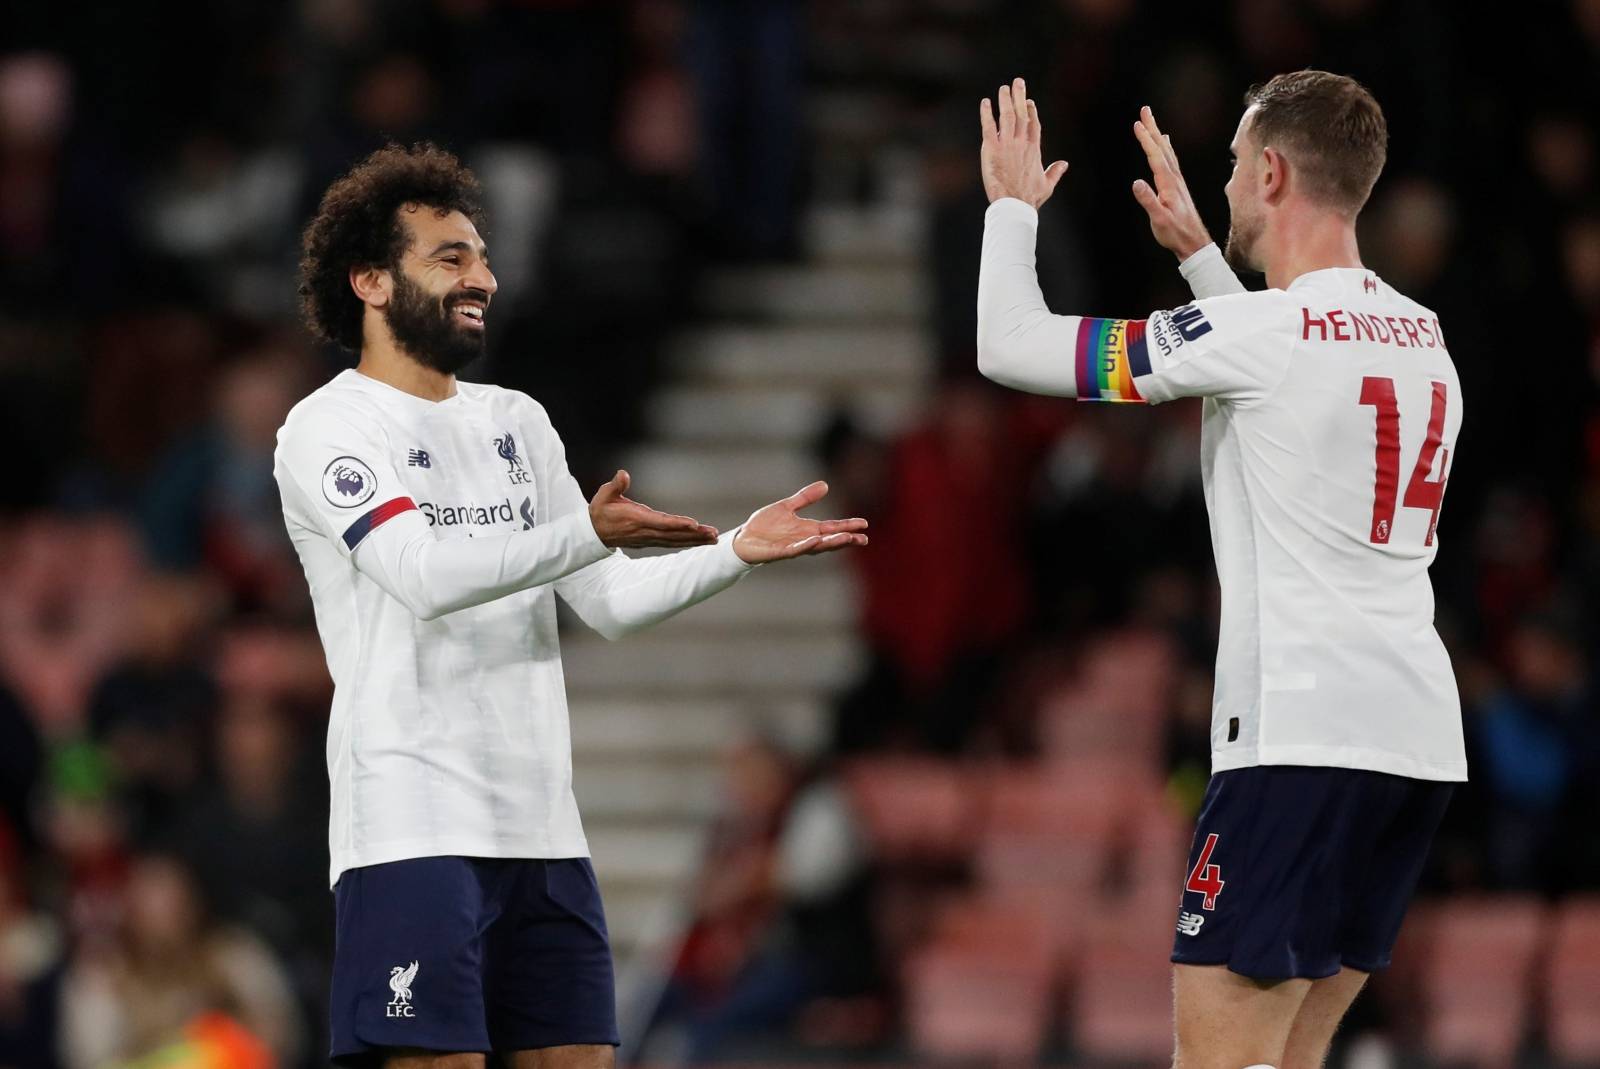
(1274, 175)
(373, 285)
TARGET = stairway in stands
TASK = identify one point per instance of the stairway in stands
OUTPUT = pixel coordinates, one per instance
(748, 388)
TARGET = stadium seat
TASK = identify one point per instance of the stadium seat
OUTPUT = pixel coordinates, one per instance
(1572, 983)
(1119, 997)
(1476, 985)
(915, 810)
(981, 987)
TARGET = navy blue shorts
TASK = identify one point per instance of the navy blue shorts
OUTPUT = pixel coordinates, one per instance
(460, 954)
(1296, 871)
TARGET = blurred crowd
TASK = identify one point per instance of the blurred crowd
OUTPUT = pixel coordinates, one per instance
(1049, 604)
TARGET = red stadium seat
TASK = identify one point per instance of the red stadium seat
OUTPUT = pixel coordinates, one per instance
(1119, 1001)
(1476, 985)
(981, 988)
(1572, 983)
(915, 810)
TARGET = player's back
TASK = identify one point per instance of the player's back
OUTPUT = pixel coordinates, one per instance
(1325, 496)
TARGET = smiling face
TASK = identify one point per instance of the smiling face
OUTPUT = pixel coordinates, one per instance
(442, 286)
(1246, 207)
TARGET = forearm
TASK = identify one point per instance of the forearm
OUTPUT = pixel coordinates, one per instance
(1209, 275)
(432, 577)
(1020, 343)
(620, 595)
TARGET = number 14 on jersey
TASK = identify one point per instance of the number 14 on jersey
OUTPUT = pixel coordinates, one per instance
(1421, 491)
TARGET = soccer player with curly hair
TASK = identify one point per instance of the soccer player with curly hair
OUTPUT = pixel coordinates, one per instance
(437, 523)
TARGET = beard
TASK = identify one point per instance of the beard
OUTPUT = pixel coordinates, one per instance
(425, 327)
(1243, 233)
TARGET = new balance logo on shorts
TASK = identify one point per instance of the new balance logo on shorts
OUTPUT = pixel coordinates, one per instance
(400, 978)
(1189, 923)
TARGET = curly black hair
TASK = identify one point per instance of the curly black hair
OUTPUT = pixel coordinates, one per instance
(358, 225)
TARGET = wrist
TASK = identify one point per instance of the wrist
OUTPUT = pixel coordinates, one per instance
(733, 540)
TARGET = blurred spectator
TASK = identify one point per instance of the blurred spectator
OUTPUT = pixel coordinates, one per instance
(939, 609)
(170, 966)
(212, 500)
(31, 956)
(746, 60)
(782, 918)
(1535, 737)
(152, 710)
(256, 837)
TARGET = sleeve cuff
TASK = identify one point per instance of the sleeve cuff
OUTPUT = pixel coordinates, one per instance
(1013, 209)
(1200, 259)
(727, 558)
(585, 539)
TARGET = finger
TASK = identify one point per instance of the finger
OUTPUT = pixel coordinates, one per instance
(807, 495)
(1055, 172)
(1147, 198)
(1149, 118)
(1172, 157)
(814, 545)
(610, 491)
(1008, 115)
(1019, 98)
(1153, 153)
(829, 527)
(649, 520)
(1035, 128)
(986, 121)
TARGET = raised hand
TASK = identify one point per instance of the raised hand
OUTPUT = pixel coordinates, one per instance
(1010, 160)
(620, 521)
(777, 532)
(1174, 220)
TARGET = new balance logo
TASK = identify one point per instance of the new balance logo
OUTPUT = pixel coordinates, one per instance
(1189, 923)
(1191, 322)
(400, 978)
(419, 458)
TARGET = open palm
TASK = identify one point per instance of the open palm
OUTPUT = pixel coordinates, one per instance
(778, 532)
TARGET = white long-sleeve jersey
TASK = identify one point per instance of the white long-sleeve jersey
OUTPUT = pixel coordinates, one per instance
(434, 537)
(1329, 421)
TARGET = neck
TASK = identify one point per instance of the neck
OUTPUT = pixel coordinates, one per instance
(1310, 241)
(385, 361)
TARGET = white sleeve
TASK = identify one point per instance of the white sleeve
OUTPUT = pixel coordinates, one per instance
(1219, 347)
(1209, 275)
(337, 465)
(1020, 343)
(619, 595)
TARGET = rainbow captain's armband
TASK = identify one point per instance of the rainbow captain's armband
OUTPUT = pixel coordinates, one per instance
(1111, 354)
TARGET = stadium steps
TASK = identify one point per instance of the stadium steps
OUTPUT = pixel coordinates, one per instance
(776, 351)
(757, 415)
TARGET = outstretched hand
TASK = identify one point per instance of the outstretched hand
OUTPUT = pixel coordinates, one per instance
(620, 521)
(1174, 220)
(777, 532)
(1010, 159)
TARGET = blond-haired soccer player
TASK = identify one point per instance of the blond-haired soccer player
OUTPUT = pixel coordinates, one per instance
(1329, 423)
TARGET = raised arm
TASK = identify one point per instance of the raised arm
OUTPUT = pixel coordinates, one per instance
(1221, 347)
(1174, 220)
(1021, 344)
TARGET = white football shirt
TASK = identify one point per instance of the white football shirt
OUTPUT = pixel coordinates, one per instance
(1329, 422)
(434, 537)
